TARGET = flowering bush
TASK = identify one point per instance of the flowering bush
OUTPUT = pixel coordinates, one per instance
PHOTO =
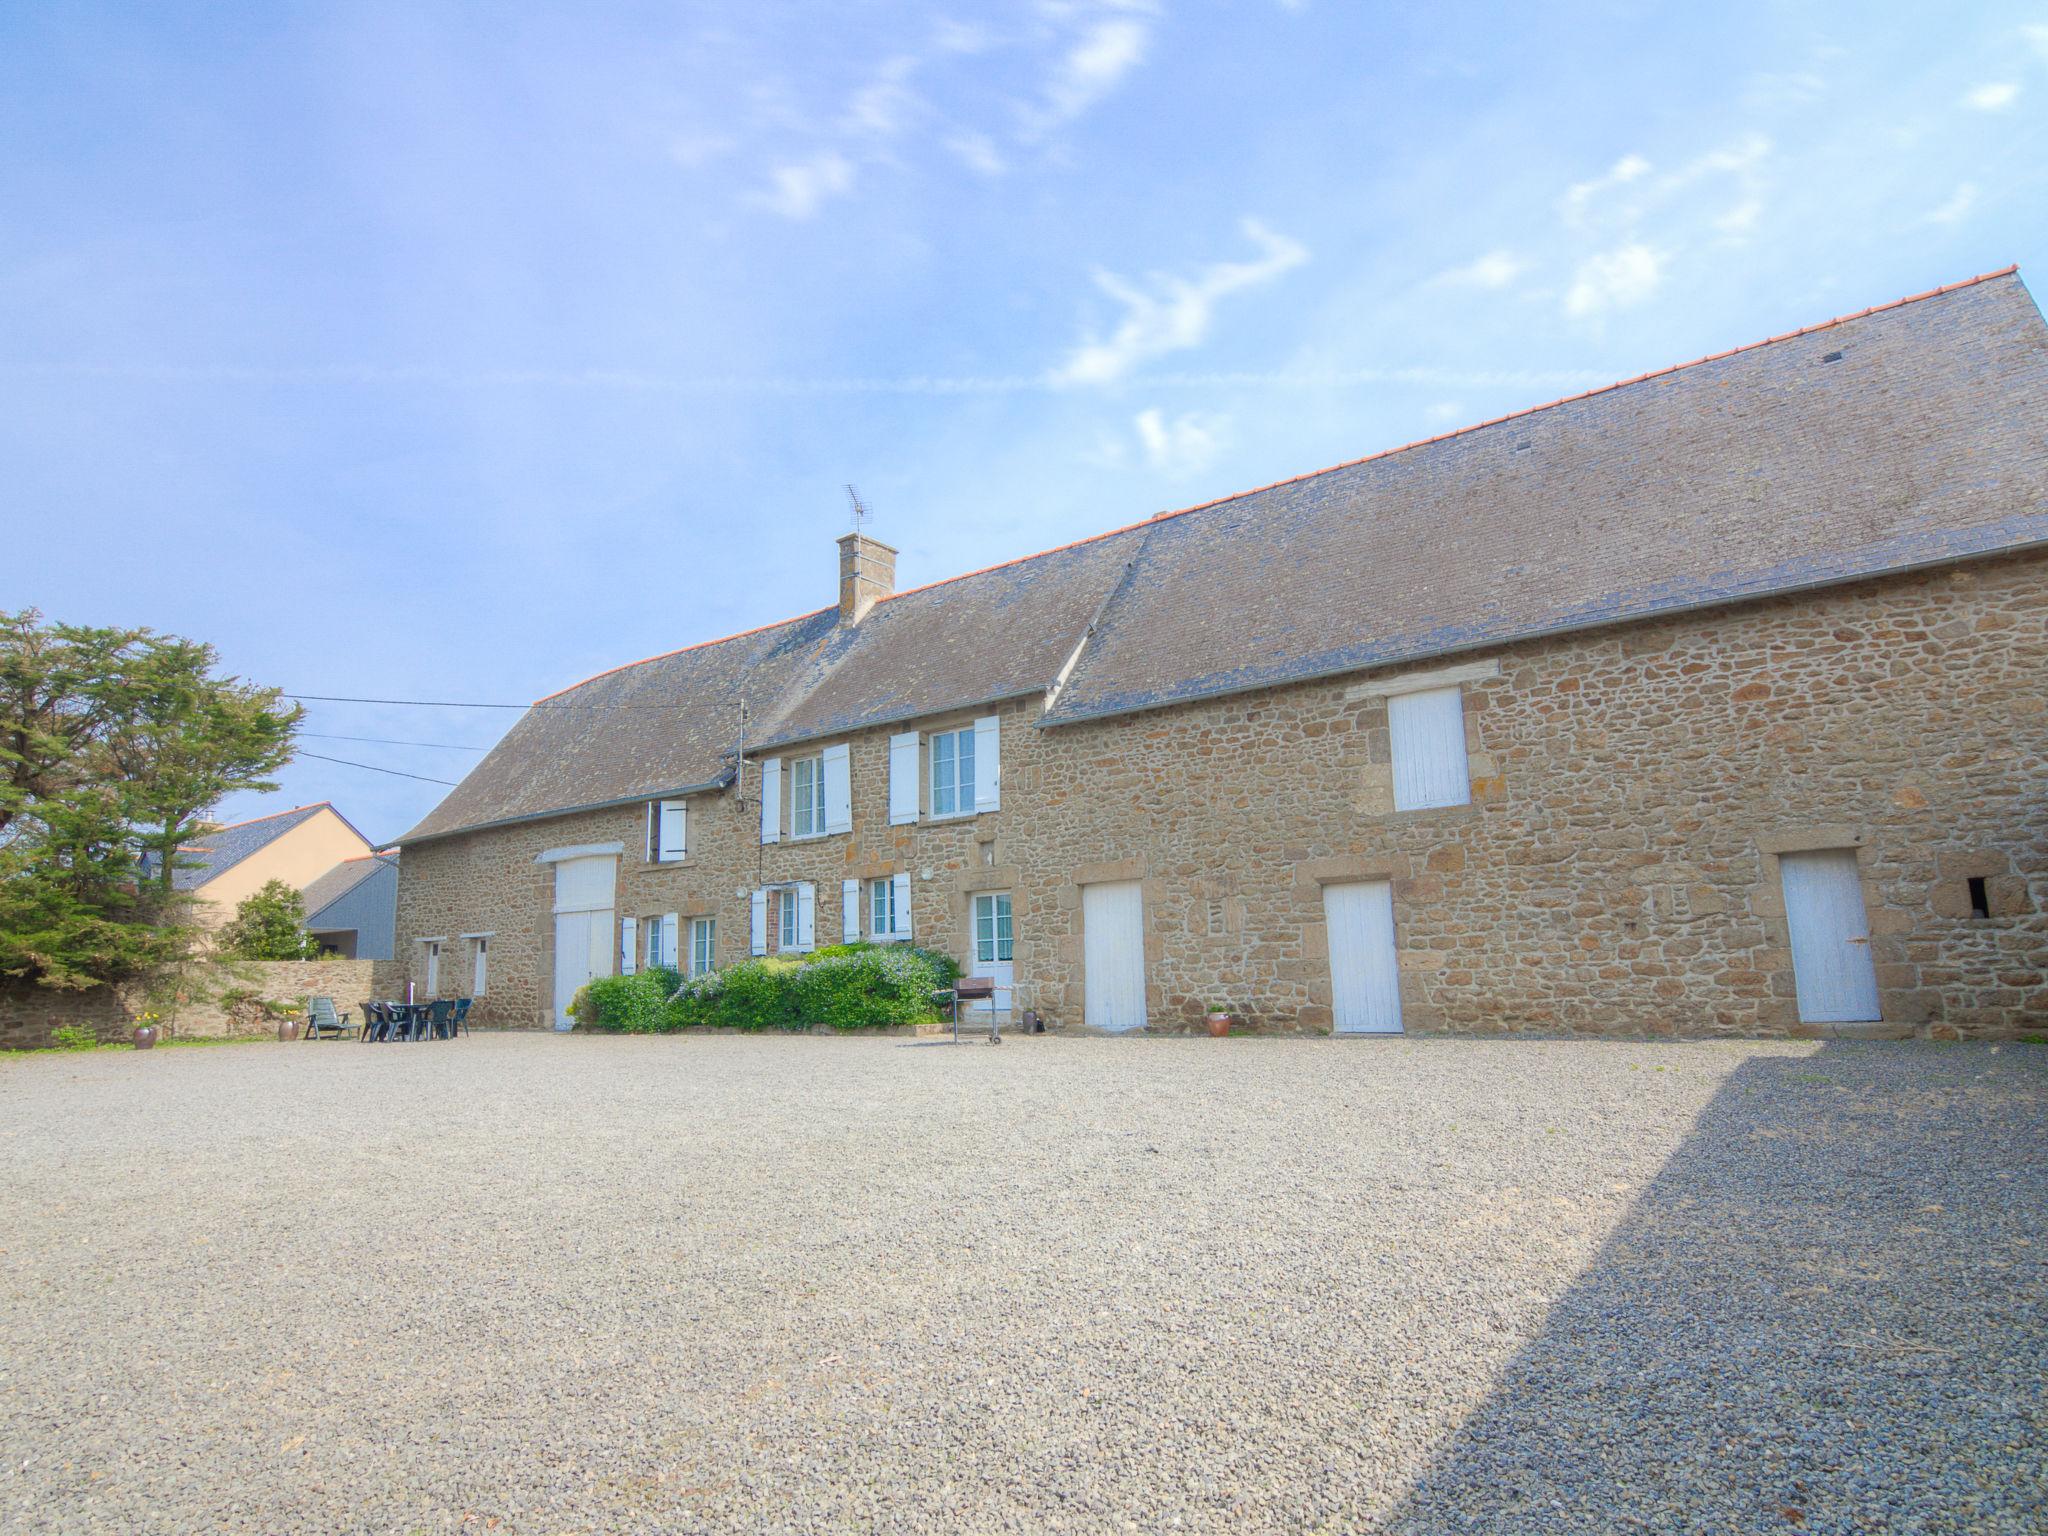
(845, 986)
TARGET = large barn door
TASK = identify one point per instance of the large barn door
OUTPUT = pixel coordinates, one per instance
(584, 938)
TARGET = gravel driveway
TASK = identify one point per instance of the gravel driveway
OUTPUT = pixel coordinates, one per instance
(546, 1284)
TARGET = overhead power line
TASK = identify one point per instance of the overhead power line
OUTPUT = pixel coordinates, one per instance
(392, 741)
(375, 769)
(341, 698)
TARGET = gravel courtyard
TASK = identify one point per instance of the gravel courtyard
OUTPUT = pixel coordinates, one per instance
(553, 1284)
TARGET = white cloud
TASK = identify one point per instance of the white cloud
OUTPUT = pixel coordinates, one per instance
(1792, 88)
(797, 191)
(1578, 198)
(1615, 279)
(884, 106)
(977, 151)
(1740, 219)
(1736, 159)
(1496, 269)
(1109, 48)
(2037, 38)
(1175, 312)
(1444, 412)
(1994, 97)
(1957, 208)
(691, 150)
(1186, 445)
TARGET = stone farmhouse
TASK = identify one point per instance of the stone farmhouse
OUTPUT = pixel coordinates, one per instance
(1707, 703)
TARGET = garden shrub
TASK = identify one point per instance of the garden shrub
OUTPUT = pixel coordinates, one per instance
(867, 987)
(74, 1037)
(842, 986)
(629, 1005)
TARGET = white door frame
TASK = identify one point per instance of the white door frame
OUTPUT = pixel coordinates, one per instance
(1002, 972)
(1113, 956)
(1829, 925)
(1364, 957)
(582, 924)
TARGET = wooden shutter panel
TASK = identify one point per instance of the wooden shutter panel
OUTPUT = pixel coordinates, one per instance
(988, 763)
(902, 893)
(1427, 733)
(673, 820)
(849, 900)
(757, 929)
(903, 779)
(807, 917)
(838, 789)
(626, 959)
(671, 942)
(771, 800)
(653, 839)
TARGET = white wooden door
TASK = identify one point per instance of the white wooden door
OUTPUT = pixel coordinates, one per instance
(1831, 963)
(1113, 956)
(993, 950)
(1365, 976)
(586, 943)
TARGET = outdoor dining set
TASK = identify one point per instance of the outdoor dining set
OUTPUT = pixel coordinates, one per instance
(441, 1019)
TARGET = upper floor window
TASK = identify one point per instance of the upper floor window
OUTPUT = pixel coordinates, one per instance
(806, 797)
(667, 821)
(1427, 735)
(953, 772)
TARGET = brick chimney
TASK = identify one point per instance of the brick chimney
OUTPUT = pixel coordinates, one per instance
(867, 571)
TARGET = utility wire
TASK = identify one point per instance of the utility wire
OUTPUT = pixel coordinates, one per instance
(337, 698)
(389, 741)
(375, 769)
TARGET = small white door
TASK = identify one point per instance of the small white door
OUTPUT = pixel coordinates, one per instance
(1365, 976)
(1831, 963)
(992, 949)
(1113, 956)
(585, 942)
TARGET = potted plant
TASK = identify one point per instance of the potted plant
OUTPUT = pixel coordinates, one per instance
(147, 1028)
(1218, 1019)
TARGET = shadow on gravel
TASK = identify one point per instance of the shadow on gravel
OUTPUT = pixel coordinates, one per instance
(1829, 1312)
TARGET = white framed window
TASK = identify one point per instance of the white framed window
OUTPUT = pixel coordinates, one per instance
(1426, 731)
(992, 928)
(952, 756)
(785, 918)
(479, 967)
(881, 909)
(807, 797)
(652, 945)
(667, 823)
(703, 944)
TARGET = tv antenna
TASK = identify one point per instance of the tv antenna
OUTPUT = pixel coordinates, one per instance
(860, 512)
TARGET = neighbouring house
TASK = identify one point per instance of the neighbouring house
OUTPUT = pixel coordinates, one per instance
(349, 889)
(1707, 703)
(353, 908)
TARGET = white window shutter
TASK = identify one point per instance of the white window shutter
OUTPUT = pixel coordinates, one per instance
(671, 942)
(653, 838)
(903, 779)
(838, 789)
(807, 917)
(771, 800)
(674, 821)
(902, 895)
(849, 902)
(1427, 733)
(757, 930)
(988, 763)
(626, 960)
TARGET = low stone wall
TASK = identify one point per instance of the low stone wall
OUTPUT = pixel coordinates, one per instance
(29, 1014)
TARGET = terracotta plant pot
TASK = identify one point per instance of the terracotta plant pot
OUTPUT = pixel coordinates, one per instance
(1219, 1024)
(287, 1029)
(145, 1037)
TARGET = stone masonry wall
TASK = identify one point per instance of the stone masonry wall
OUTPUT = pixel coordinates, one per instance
(1616, 872)
(28, 1014)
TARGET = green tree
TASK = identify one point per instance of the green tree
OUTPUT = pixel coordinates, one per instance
(113, 742)
(269, 925)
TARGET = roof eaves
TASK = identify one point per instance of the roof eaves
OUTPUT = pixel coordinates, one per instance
(2032, 530)
(638, 797)
(877, 722)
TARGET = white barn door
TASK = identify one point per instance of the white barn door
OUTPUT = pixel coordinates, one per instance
(1113, 956)
(1831, 963)
(1365, 977)
(585, 940)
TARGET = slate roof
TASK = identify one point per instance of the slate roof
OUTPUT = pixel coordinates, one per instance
(342, 879)
(215, 853)
(1907, 435)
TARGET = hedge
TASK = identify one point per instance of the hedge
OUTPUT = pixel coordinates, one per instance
(843, 987)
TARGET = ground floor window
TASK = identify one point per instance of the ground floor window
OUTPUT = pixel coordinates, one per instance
(991, 929)
(881, 909)
(701, 941)
(785, 906)
(479, 968)
(652, 948)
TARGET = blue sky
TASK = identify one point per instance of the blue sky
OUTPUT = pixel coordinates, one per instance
(460, 351)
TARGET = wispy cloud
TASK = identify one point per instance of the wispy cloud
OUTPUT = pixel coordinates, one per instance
(1614, 279)
(1172, 313)
(798, 191)
(1956, 209)
(1185, 445)
(1995, 96)
(978, 152)
(2036, 37)
(885, 105)
(1741, 219)
(1496, 269)
(1580, 196)
(1108, 48)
